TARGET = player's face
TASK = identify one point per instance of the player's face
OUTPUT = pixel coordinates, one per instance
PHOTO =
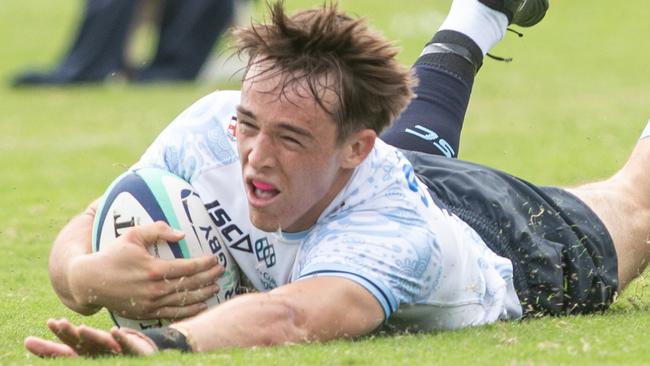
(292, 166)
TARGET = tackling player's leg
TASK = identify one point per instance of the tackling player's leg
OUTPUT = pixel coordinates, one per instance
(432, 122)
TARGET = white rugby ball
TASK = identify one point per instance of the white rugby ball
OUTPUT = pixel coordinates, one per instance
(149, 195)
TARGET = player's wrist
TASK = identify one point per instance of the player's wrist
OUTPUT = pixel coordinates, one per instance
(84, 297)
(172, 338)
(91, 210)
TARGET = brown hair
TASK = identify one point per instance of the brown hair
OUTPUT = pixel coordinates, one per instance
(321, 43)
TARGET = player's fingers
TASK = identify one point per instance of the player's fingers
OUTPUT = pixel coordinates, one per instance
(179, 312)
(150, 233)
(44, 348)
(55, 324)
(96, 342)
(133, 342)
(187, 297)
(193, 282)
(65, 331)
(178, 268)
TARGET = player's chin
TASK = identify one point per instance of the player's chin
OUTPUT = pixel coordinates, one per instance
(264, 220)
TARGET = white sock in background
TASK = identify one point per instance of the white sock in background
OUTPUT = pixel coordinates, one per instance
(483, 25)
(646, 131)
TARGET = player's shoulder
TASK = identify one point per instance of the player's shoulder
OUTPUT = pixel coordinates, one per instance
(219, 105)
(386, 158)
(386, 175)
(219, 99)
(207, 124)
(386, 190)
(383, 194)
(198, 139)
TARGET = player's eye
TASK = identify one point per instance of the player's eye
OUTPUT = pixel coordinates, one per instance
(243, 126)
(291, 140)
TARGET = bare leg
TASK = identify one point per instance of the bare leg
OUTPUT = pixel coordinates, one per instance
(622, 202)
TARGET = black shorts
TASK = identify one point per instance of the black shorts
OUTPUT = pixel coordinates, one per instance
(563, 257)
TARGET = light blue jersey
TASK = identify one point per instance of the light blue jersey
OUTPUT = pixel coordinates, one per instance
(428, 269)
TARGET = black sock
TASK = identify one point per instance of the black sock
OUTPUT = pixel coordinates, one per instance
(432, 122)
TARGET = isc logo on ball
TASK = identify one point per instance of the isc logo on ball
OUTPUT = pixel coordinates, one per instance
(149, 195)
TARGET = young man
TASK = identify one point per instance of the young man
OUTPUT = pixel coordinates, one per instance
(335, 222)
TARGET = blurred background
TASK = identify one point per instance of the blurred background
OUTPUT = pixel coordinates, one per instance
(566, 110)
(582, 73)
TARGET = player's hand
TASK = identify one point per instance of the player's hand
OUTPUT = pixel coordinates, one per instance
(86, 341)
(127, 280)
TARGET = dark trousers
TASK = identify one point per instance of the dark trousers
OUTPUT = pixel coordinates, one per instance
(188, 31)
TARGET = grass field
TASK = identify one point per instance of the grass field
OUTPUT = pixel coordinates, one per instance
(567, 110)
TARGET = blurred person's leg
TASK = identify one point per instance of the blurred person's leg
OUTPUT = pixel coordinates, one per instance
(98, 48)
(188, 31)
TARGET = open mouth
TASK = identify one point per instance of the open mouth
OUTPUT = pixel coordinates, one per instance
(261, 192)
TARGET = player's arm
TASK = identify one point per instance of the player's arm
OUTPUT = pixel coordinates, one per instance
(125, 277)
(314, 309)
(72, 242)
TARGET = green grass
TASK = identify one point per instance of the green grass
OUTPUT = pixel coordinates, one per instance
(567, 110)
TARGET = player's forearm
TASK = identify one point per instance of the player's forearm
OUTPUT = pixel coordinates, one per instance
(70, 249)
(246, 321)
(318, 309)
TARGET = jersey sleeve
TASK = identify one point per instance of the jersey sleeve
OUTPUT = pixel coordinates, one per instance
(387, 253)
(196, 140)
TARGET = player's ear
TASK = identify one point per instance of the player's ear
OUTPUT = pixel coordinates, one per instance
(357, 147)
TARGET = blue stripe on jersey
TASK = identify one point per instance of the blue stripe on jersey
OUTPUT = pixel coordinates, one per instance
(380, 292)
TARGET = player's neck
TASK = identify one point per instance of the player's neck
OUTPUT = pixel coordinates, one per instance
(311, 217)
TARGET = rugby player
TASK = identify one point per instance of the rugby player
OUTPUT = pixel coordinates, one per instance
(343, 233)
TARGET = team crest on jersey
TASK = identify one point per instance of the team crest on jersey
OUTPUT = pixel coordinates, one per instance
(232, 128)
(265, 252)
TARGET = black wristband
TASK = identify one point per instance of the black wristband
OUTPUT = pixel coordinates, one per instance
(168, 338)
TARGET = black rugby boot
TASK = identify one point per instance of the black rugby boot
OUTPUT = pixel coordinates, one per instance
(524, 13)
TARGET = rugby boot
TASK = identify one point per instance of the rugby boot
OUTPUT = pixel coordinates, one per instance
(524, 13)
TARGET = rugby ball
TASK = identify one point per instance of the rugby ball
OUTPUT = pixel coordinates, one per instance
(149, 195)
